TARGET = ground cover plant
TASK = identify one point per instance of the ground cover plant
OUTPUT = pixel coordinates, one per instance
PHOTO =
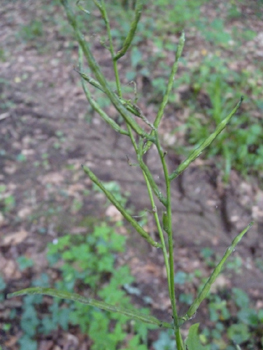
(84, 261)
(144, 141)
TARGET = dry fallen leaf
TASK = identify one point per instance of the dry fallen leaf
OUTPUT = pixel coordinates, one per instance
(14, 238)
(9, 269)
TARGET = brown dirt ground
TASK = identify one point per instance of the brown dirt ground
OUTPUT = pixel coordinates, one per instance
(47, 132)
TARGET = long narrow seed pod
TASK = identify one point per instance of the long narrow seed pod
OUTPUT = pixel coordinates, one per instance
(196, 153)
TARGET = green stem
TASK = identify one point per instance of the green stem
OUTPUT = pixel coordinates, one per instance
(153, 184)
(160, 231)
(121, 209)
(196, 153)
(169, 230)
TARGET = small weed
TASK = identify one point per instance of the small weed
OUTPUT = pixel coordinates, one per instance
(7, 201)
(31, 31)
(24, 263)
(2, 55)
(241, 327)
(240, 145)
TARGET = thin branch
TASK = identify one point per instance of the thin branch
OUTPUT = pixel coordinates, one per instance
(169, 231)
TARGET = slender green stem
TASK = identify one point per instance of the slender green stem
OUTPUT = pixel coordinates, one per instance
(130, 36)
(195, 305)
(160, 231)
(196, 153)
(154, 186)
(168, 89)
(169, 230)
(121, 209)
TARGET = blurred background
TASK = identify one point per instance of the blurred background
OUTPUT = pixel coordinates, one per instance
(58, 230)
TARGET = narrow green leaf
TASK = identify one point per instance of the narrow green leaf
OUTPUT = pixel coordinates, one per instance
(193, 341)
(134, 315)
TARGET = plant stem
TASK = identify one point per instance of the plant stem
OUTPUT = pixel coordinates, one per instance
(169, 230)
(160, 231)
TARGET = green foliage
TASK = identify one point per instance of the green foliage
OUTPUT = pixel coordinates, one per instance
(24, 262)
(193, 341)
(7, 201)
(85, 262)
(189, 13)
(2, 283)
(165, 341)
(32, 31)
(240, 144)
(2, 288)
(243, 327)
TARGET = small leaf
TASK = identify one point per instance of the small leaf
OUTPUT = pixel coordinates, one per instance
(239, 333)
(193, 341)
